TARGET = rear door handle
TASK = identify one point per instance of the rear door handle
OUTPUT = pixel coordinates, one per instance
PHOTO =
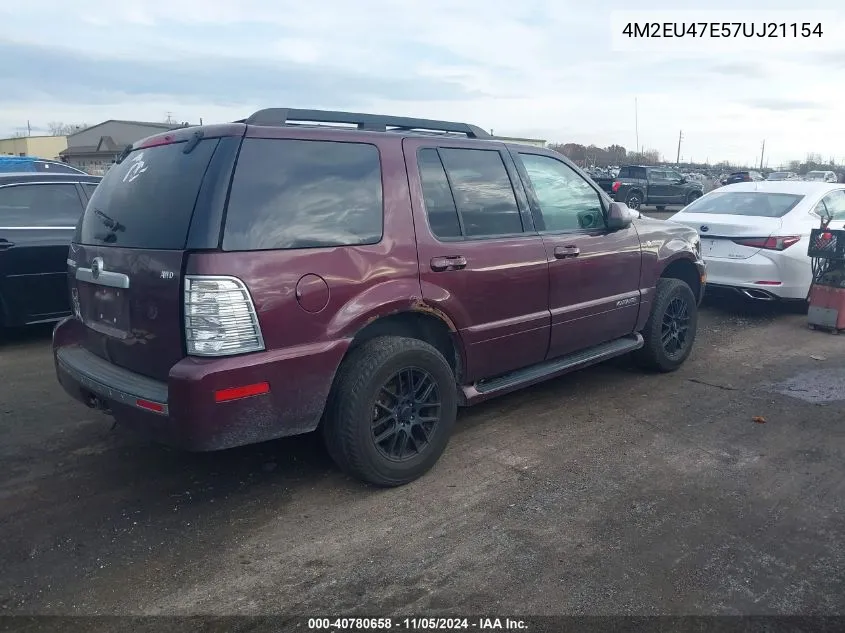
(4, 244)
(451, 262)
(565, 252)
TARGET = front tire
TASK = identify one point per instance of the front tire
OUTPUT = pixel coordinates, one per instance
(670, 331)
(391, 411)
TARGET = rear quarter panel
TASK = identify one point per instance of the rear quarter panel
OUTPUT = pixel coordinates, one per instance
(354, 285)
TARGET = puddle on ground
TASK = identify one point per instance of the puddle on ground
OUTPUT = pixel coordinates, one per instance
(817, 386)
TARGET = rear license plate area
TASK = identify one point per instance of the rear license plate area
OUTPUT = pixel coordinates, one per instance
(107, 311)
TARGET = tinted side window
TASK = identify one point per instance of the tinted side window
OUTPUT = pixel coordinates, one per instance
(632, 172)
(567, 202)
(304, 194)
(89, 188)
(439, 203)
(483, 191)
(55, 205)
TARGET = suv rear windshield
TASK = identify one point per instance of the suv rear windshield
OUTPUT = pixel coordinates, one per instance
(147, 200)
(767, 205)
(632, 172)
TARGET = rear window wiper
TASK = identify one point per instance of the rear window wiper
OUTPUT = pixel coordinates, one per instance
(126, 151)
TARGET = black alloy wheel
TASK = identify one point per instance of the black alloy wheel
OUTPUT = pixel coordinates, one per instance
(405, 414)
(675, 328)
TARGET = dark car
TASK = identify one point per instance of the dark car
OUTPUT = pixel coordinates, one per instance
(742, 176)
(247, 281)
(30, 164)
(638, 185)
(782, 175)
(38, 214)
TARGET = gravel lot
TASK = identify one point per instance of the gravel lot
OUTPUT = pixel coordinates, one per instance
(606, 491)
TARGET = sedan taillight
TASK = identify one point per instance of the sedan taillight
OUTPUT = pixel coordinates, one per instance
(770, 243)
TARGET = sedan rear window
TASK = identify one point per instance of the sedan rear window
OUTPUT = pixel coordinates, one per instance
(752, 203)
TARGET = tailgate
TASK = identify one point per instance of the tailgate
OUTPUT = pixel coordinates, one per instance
(126, 260)
(130, 301)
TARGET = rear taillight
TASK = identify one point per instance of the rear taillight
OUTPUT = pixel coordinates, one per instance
(770, 243)
(220, 318)
(615, 186)
(746, 178)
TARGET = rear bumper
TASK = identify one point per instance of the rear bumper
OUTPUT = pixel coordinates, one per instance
(183, 411)
(741, 276)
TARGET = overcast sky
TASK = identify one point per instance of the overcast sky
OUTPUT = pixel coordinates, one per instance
(534, 68)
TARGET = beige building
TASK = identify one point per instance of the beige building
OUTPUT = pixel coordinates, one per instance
(47, 147)
(536, 142)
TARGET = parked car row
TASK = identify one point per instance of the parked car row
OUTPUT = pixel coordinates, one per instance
(756, 176)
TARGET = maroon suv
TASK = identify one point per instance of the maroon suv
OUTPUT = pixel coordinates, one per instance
(361, 274)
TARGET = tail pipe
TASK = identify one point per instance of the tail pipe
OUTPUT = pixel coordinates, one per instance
(757, 295)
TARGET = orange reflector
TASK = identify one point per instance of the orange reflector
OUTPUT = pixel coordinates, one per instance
(235, 393)
(150, 406)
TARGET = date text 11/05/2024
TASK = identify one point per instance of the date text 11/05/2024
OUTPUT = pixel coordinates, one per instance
(417, 624)
(793, 30)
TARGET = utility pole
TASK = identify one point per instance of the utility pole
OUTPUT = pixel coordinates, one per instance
(636, 122)
(680, 138)
(762, 153)
(28, 129)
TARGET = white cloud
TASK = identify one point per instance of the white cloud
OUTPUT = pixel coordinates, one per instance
(543, 68)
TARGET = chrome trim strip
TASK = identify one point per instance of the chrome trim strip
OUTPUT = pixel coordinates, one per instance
(37, 228)
(72, 179)
(105, 278)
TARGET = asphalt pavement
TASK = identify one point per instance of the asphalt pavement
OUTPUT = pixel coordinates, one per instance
(718, 489)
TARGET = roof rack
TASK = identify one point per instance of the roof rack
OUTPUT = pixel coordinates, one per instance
(369, 122)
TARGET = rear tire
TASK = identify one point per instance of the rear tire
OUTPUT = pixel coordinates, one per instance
(634, 200)
(378, 393)
(671, 327)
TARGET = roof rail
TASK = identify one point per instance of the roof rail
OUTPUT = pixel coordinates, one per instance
(370, 122)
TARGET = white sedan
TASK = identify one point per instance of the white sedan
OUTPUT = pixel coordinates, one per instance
(754, 235)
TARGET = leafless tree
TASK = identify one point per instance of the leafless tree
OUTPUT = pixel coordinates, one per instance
(59, 128)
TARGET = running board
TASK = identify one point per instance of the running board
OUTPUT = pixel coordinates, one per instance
(484, 389)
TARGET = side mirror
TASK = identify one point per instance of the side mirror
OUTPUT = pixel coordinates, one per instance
(618, 216)
(682, 181)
